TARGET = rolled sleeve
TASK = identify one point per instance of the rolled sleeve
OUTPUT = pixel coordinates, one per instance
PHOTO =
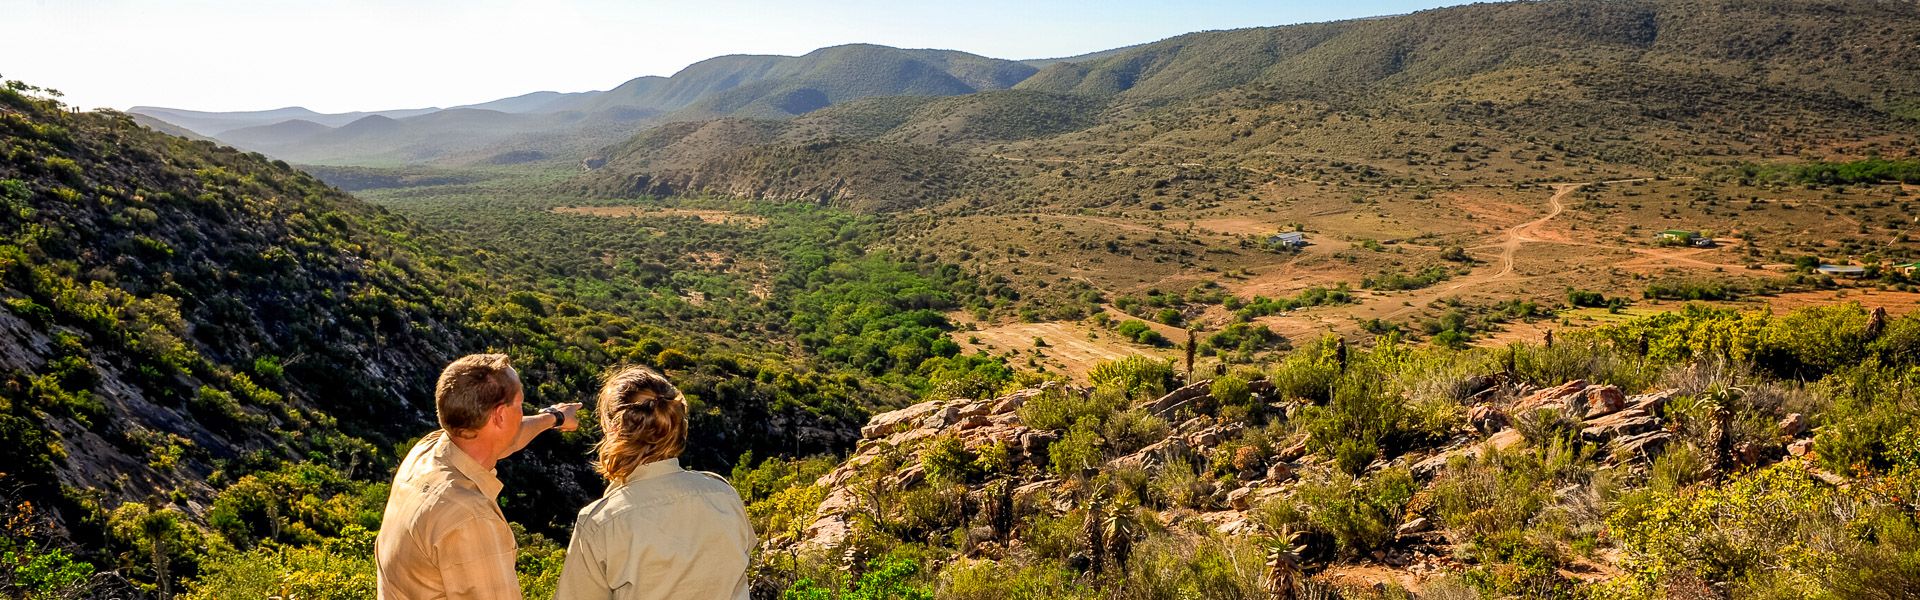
(476, 560)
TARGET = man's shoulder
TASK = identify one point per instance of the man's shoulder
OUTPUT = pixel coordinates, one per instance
(452, 501)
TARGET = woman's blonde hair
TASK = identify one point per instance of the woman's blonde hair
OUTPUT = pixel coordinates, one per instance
(643, 419)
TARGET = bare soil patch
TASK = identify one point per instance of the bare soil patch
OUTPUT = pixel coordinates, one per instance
(1072, 348)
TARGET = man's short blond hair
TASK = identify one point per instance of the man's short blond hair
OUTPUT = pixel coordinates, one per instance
(643, 419)
(471, 387)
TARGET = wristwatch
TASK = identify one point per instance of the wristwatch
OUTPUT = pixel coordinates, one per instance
(559, 418)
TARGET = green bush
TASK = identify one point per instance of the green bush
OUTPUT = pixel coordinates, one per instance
(947, 460)
(1136, 376)
(340, 569)
(1180, 485)
(1080, 448)
(1177, 567)
(987, 580)
(1057, 408)
(1872, 405)
(1140, 333)
(1307, 374)
(34, 572)
(1362, 514)
(1776, 529)
(891, 577)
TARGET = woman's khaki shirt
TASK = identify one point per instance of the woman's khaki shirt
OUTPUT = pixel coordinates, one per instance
(665, 533)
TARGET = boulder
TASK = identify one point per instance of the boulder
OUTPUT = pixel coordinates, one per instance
(1560, 396)
(1800, 447)
(1415, 526)
(1294, 452)
(1012, 402)
(1260, 387)
(1235, 527)
(1214, 435)
(1027, 497)
(1625, 422)
(1279, 472)
(1653, 403)
(909, 475)
(1171, 448)
(1746, 454)
(1430, 467)
(1239, 498)
(1488, 419)
(1206, 438)
(1604, 400)
(974, 421)
(1828, 477)
(1640, 447)
(887, 423)
(1793, 425)
(1178, 397)
(970, 408)
(946, 415)
(1035, 442)
(912, 435)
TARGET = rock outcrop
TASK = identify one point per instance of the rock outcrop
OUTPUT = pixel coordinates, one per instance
(1630, 429)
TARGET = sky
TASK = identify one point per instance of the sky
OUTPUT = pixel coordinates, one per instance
(346, 55)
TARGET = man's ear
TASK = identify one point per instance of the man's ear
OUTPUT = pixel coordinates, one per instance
(503, 415)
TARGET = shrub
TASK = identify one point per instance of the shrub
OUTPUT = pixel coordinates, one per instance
(1231, 390)
(1813, 341)
(1170, 567)
(341, 569)
(1135, 376)
(1180, 485)
(1366, 418)
(947, 460)
(1362, 514)
(1545, 426)
(889, 577)
(1307, 374)
(1872, 404)
(1775, 528)
(1129, 430)
(1055, 408)
(986, 580)
(1079, 449)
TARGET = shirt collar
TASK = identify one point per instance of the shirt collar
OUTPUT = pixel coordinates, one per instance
(654, 469)
(466, 465)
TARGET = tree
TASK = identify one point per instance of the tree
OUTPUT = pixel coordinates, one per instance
(158, 532)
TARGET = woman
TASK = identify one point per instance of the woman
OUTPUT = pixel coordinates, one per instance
(660, 531)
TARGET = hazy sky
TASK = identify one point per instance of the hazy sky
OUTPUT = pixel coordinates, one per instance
(342, 55)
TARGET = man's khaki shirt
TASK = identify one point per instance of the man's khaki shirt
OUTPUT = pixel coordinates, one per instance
(666, 533)
(443, 535)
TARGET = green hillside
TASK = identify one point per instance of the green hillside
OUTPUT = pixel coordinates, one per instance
(1568, 86)
(185, 324)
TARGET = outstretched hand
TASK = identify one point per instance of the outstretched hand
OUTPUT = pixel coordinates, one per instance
(570, 418)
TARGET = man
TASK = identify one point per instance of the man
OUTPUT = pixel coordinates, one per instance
(443, 535)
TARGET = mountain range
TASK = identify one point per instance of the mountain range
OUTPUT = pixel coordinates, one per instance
(1534, 61)
(543, 123)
